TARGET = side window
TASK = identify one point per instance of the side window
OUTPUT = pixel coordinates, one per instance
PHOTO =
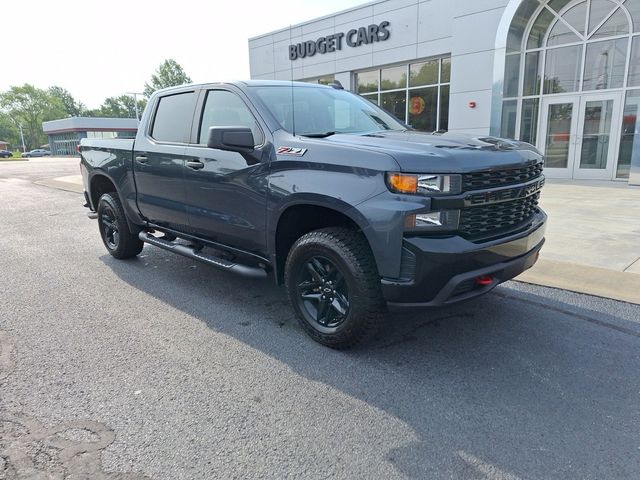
(226, 109)
(172, 122)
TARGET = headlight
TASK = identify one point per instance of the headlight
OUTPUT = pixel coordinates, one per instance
(423, 183)
(444, 220)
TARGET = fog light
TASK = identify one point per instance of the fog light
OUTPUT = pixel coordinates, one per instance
(433, 221)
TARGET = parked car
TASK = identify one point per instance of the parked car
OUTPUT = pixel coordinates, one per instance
(5, 154)
(38, 152)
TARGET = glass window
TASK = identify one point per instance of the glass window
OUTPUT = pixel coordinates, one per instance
(226, 109)
(558, 5)
(511, 75)
(393, 78)
(372, 98)
(368, 81)
(561, 34)
(444, 108)
(600, 9)
(519, 24)
(562, 69)
(319, 110)
(558, 135)
(509, 114)
(445, 76)
(630, 139)
(425, 73)
(634, 9)
(395, 103)
(423, 109)
(539, 28)
(634, 64)
(532, 70)
(605, 64)
(616, 25)
(420, 97)
(529, 120)
(173, 118)
(576, 17)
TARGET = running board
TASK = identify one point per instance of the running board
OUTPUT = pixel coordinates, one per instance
(190, 252)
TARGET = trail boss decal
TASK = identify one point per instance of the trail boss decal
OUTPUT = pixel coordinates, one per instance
(295, 152)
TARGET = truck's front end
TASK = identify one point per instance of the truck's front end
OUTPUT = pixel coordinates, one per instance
(472, 231)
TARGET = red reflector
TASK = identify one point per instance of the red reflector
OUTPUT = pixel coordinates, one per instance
(484, 280)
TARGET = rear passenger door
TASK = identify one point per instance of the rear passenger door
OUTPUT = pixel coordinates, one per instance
(226, 193)
(159, 160)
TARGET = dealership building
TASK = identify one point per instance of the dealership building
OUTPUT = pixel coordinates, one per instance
(563, 75)
(65, 134)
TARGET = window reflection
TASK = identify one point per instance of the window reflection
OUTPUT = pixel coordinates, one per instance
(562, 69)
(604, 65)
(417, 94)
(630, 139)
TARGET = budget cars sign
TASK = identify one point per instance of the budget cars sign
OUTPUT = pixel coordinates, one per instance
(330, 43)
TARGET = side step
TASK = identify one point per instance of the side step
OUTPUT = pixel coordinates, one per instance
(190, 252)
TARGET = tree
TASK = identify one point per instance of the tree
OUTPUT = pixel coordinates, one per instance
(168, 74)
(30, 106)
(72, 107)
(119, 107)
(9, 132)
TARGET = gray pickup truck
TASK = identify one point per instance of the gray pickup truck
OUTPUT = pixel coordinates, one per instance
(322, 190)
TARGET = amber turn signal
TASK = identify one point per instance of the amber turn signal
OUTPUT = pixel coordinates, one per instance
(401, 183)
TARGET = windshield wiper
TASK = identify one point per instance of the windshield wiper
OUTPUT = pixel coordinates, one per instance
(318, 135)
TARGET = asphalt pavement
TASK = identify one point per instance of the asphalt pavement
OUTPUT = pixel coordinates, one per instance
(164, 368)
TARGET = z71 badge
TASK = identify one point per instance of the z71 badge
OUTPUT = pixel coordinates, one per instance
(296, 152)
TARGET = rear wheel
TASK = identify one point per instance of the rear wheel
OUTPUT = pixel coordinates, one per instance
(114, 229)
(334, 286)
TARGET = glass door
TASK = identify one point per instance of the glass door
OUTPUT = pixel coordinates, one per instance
(579, 135)
(597, 136)
(558, 139)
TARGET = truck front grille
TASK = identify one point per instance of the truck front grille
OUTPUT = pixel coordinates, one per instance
(487, 220)
(500, 178)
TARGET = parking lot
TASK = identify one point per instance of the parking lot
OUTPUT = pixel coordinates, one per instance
(164, 368)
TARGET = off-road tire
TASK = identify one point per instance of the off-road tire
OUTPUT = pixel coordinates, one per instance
(123, 244)
(349, 252)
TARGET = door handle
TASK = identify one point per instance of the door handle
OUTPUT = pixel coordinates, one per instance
(195, 165)
(142, 159)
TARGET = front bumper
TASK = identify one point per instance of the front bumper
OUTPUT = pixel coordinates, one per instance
(444, 270)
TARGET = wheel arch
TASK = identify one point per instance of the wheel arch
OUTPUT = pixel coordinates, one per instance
(305, 214)
(99, 184)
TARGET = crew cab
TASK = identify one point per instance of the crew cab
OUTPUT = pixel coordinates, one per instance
(322, 191)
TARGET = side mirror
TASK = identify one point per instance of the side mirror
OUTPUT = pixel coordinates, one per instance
(232, 139)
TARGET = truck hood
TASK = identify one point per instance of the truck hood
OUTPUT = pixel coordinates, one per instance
(421, 152)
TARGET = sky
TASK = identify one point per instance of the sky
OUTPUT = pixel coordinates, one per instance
(102, 49)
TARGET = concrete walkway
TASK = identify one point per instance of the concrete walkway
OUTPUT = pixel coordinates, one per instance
(593, 237)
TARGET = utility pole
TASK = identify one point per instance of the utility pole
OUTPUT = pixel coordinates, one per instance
(24, 148)
(135, 103)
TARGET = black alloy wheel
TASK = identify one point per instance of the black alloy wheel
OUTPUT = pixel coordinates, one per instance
(334, 286)
(323, 293)
(114, 230)
(110, 227)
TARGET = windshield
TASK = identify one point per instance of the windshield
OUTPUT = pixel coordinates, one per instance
(324, 111)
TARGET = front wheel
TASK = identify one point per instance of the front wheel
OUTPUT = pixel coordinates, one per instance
(114, 229)
(334, 287)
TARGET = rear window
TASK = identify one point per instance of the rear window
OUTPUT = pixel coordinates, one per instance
(172, 122)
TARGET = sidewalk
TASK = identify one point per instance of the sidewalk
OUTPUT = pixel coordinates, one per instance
(593, 239)
(592, 242)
